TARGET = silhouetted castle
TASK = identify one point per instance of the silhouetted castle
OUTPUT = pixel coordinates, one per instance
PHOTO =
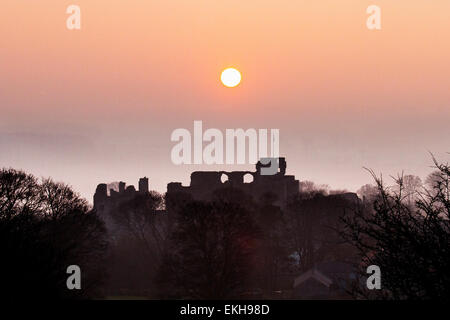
(105, 204)
(204, 183)
(202, 187)
(102, 199)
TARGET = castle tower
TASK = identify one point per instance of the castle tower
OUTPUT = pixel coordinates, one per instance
(101, 194)
(143, 184)
(121, 187)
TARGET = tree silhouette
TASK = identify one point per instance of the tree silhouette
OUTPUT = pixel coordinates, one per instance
(411, 244)
(138, 217)
(368, 193)
(312, 229)
(211, 252)
(139, 245)
(44, 228)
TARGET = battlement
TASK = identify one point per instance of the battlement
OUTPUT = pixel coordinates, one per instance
(101, 196)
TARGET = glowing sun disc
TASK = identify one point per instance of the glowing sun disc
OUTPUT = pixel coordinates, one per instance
(230, 77)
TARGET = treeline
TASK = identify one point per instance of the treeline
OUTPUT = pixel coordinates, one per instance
(44, 228)
(229, 247)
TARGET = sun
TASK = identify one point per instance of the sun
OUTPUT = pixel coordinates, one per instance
(230, 77)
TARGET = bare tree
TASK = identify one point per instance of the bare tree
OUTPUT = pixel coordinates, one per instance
(412, 186)
(312, 225)
(310, 188)
(142, 218)
(45, 227)
(432, 180)
(368, 193)
(211, 252)
(410, 243)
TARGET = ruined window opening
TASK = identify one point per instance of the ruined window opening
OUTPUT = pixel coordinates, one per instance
(223, 178)
(248, 178)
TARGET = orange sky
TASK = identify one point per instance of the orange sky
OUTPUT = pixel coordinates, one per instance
(98, 104)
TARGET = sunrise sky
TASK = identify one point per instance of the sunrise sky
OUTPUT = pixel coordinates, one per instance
(99, 104)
